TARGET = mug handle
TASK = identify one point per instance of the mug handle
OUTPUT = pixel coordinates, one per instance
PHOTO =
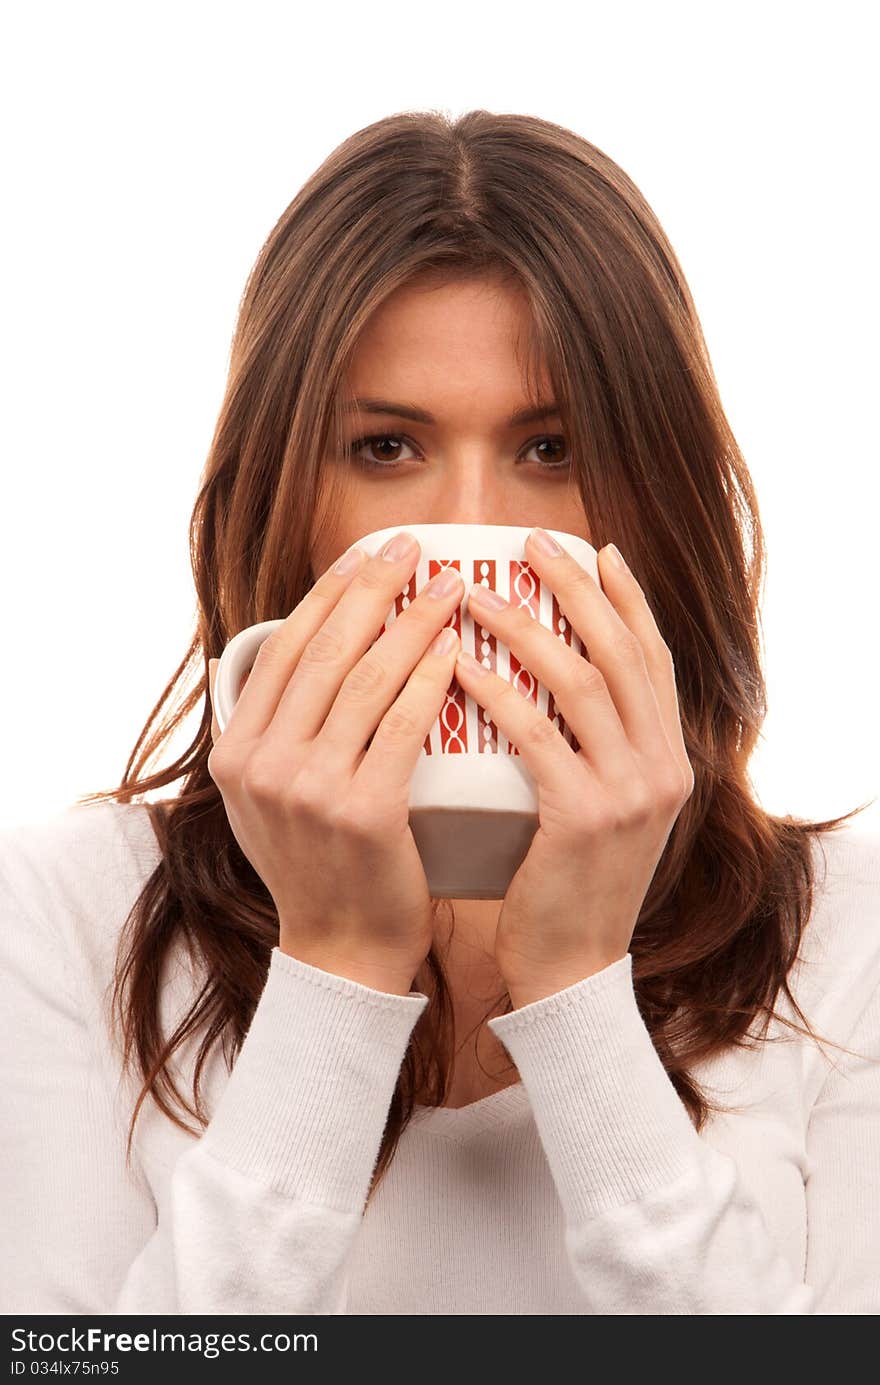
(236, 660)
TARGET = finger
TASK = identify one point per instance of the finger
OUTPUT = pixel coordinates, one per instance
(388, 765)
(370, 688)
(632, 605)
(550, 760)
(614, 649)
(578, 688)
(278, 655)
(333, 650)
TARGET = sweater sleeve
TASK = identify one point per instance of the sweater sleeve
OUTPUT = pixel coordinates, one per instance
(656, 1220)
(262, 1210)
(266, 1206)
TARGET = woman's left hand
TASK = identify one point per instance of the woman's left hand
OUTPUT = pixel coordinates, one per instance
(606, 810)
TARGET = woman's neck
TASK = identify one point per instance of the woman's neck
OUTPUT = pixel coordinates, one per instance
(482, 1065)
(466, 947)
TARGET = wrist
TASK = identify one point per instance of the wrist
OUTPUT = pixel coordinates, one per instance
(372, 974)
(539, 985)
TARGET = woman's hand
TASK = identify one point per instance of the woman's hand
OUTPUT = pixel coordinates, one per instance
(605, 810)
(323, 819)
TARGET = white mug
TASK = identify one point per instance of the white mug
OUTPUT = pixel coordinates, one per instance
(473, 804)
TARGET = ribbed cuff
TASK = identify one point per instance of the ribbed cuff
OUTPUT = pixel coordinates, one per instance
(307, 1100)
(611, 1123)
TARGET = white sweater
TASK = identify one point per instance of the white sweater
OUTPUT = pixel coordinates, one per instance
(582, 1189)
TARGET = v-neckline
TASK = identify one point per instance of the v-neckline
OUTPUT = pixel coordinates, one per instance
(460, 1122)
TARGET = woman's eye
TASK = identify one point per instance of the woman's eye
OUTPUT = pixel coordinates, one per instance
(380, 442)
(554, 463)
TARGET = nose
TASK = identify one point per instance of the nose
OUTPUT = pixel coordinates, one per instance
(477, 491)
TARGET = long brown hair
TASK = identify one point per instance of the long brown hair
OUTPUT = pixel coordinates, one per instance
(659, 471)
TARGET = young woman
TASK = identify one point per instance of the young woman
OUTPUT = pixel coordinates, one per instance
(250, 1064)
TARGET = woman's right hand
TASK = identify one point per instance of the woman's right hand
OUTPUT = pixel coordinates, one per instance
(323, 819)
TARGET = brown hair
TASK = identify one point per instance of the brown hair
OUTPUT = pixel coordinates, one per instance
(653, 455)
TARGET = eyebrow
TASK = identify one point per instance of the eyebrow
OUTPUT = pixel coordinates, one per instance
(387, 406)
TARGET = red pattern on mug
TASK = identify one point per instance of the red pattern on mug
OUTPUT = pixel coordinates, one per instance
(453, 718)
(525, 594)
(486, 651)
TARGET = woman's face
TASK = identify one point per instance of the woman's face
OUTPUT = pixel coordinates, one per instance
(450, 352)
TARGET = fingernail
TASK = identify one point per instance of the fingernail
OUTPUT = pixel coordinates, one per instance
(348, 562)
(485, 596)
(444, 641)
(444, 584)
(545, 544)
(397, 548)
(469, 663)
(615, 558)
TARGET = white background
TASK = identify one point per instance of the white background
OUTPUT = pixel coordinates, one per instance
(148, 152)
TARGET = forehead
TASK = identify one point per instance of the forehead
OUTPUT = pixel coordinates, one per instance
(446, 334)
